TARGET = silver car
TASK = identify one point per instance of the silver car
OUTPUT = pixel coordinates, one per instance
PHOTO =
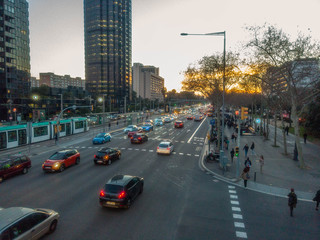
(165, 148)
(26, 223)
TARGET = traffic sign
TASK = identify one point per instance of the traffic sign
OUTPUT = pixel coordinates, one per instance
(212, 122)
(258, 120)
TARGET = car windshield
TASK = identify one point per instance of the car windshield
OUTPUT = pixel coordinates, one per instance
(57, 156)
(101, 154)
(110, 188)
(5, 164)
(163, 145)
(100, 135)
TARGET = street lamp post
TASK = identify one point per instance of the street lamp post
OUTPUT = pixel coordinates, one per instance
(103, 100)
(224, 75)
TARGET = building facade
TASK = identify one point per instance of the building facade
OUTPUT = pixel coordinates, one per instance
(56, 81)
(108, 49)
(14, 55)
(146, 82)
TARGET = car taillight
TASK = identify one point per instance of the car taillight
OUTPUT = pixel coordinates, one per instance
(168, 148)
(157, 147)
(139, 138)
(122, 195)
(106, 157)
(131, 137)
(102, 194)
(94, 156)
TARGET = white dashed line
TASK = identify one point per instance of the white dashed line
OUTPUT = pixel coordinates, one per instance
(231, 187)
(129, 148)
(123, 148)
(233, 191)
(236, 209)
(182, 141)
(180, 153)
(150, 150)
(83, 147)
(241, 234)
(237, 216)
(234, 202)
(188, 154)
(234, 196)
(143, 150)
(174, 153)
(90, 147)
(239, 225)
(137, 149)
(95, 147)
(196, 155)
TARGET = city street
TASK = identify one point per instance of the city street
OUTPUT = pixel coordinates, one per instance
(179, 200)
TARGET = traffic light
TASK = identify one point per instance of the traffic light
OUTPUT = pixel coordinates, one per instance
(237, 113)
(14, 109)
(237, 151)
(92, 107)
(244, 113)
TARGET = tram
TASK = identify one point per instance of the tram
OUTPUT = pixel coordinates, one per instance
(22, 134)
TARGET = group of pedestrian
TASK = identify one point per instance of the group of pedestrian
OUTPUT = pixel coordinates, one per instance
(293, 200)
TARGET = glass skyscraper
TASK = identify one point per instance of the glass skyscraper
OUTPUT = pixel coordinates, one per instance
(108, 47)
(14, 55)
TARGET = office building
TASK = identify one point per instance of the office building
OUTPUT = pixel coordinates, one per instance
(14, 56)
(107, 31)
(56, 81)
(147, 82)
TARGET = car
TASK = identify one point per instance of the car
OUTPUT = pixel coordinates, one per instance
(167, 120)
(61, 160)
(148, 121)
(101, 138)
(165, 147)
(130, 128)
(130, 134)
(198, 118)
(120, 191)
(27, 223)
(139, 138)
(178, 124)
(147, 127)
(189, 117)
(106, 155)
(14, 165)
(158, 122)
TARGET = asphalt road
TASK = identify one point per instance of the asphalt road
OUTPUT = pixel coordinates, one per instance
(179, 200)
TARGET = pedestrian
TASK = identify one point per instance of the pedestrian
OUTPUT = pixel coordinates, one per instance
(109, 126)
(232, 154)
(261, 161)
(287, 130)
(246, 148)
(305, 137)
(247, 163)
(245, 176)
(117, 123)
(232, 137)
(317, 199)
(235, 137)
(252, 148)
(227, 143)
(292, 201)
(56, 138)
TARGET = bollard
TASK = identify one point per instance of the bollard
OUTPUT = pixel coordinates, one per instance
(255, 176)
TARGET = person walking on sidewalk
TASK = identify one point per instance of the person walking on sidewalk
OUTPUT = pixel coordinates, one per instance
(292, 201)
(235, 137)
(109, 126)
(305, 137)
(232, 137)
(252, 148)
(246, 148)
(261, 161)
(245, 176)
(247, 163)
(232, 154)
(317, 199)
(287, 130)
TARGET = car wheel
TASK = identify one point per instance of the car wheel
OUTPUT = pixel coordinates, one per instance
(25, 170)
(77, 161)
(53, 226)
(129, 203)
(109, 162)
(61, 169)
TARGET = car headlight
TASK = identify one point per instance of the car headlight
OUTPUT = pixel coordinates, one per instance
(56, 165)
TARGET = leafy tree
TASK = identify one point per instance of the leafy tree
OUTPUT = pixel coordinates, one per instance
(273, 47)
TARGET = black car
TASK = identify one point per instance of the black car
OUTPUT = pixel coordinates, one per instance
(106, 155)
(139, 138)
(120, 191)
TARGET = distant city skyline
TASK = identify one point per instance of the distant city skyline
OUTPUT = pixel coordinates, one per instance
(57, 31)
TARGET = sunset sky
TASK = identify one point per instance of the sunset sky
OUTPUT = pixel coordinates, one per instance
(57, 39)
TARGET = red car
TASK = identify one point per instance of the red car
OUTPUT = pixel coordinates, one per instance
(14, 165)
(190, 118)
(130, 134)
(60, 160)
(178, 124)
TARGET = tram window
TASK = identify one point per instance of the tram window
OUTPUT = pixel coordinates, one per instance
(78, 125)
(40, 131)
(63, 128)
(12, 136)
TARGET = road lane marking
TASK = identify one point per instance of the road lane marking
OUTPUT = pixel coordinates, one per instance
(241, 234)
(143, 150)
(182, 141)
(197, 130)
(188, 154)
(129, 148)
(174, 153)
(123, 148)
(232, 187)
(234, 196)
(232, 191)
(239, 224)
(237, 216)
(234, 202)
(236, 209)
(90, 147)
(150, 150)
(196, 155)
(180, 153)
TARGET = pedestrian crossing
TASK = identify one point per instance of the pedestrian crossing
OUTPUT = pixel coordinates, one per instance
(196, 141)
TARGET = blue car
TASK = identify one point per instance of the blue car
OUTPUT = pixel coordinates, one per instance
(101, 138)
(147, 127)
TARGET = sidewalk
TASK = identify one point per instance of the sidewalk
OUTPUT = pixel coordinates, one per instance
(280, 172)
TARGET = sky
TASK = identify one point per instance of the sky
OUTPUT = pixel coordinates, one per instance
(57, 37)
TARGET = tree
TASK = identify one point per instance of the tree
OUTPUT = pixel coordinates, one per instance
(293, 60)
(206, 77)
